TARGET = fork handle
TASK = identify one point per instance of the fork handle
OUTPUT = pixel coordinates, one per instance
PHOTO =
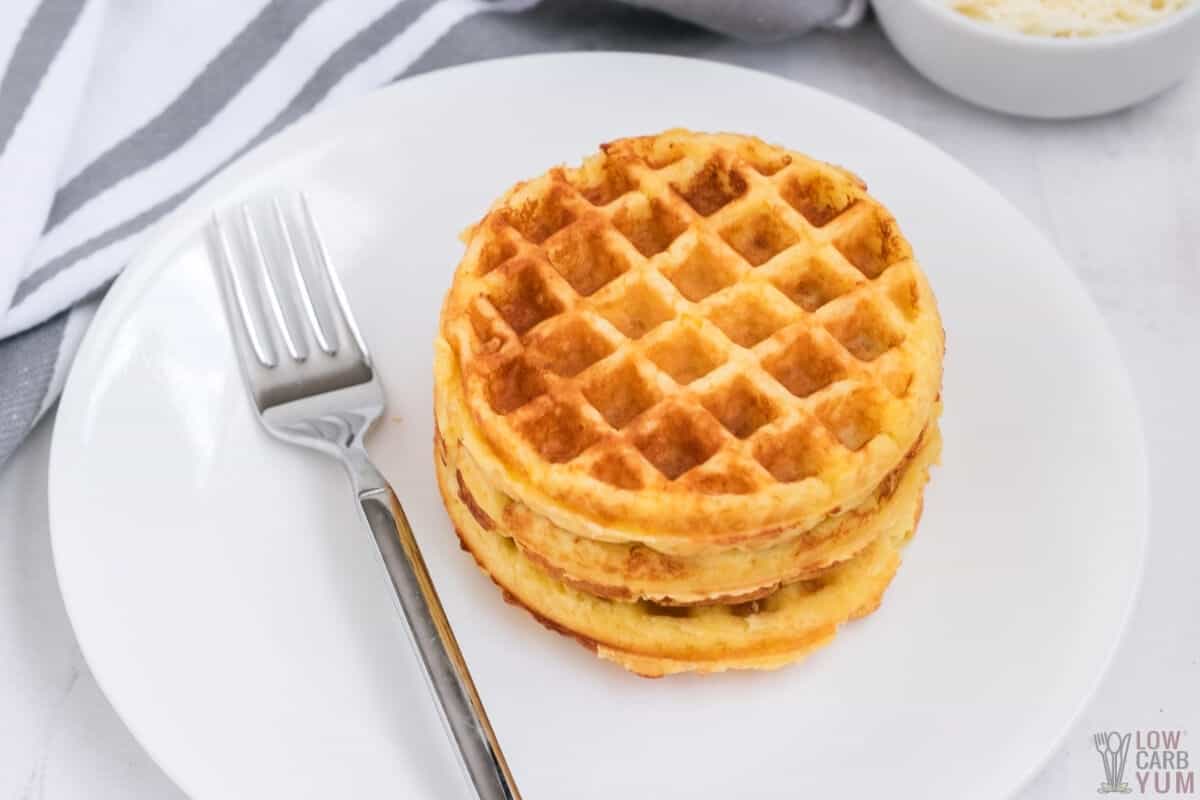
(458, 701)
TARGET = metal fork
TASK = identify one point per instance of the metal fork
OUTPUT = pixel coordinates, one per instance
(310, 377)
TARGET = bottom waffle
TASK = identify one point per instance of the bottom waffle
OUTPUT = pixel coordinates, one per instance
(655, 640)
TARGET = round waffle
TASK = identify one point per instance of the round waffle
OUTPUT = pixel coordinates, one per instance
(633, 571)
(691, 342)
(655, 640)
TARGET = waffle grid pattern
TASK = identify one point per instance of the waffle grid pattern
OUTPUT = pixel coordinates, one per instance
(769, 288)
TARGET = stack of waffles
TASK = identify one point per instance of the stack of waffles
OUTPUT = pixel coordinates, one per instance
(686, 398)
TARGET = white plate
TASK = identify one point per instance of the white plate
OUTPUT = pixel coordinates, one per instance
(233, 610)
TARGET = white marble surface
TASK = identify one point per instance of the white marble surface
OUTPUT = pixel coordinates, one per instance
(1120, 196)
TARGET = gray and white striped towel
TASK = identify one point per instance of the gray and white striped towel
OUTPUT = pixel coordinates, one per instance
(113, 111)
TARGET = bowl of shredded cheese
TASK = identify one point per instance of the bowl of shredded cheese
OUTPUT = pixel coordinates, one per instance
(1047, 58)
(1069, 19)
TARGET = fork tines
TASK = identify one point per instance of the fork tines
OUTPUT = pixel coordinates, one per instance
(287, 310)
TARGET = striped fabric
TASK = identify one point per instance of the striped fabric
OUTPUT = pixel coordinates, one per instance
(113, 111)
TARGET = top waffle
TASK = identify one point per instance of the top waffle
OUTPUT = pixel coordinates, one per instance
(691, 340)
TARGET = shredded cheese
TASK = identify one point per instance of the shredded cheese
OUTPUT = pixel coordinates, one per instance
(1068, 18)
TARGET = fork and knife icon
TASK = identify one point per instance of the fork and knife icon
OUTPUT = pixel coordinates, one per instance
(1114, 752)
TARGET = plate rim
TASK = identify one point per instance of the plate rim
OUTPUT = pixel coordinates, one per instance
(275, 154)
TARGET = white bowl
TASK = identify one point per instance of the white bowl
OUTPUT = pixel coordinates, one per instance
(1037, 76)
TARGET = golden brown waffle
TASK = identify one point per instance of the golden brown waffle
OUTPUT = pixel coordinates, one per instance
(633, 571)
(691, 341)
(655, 640)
